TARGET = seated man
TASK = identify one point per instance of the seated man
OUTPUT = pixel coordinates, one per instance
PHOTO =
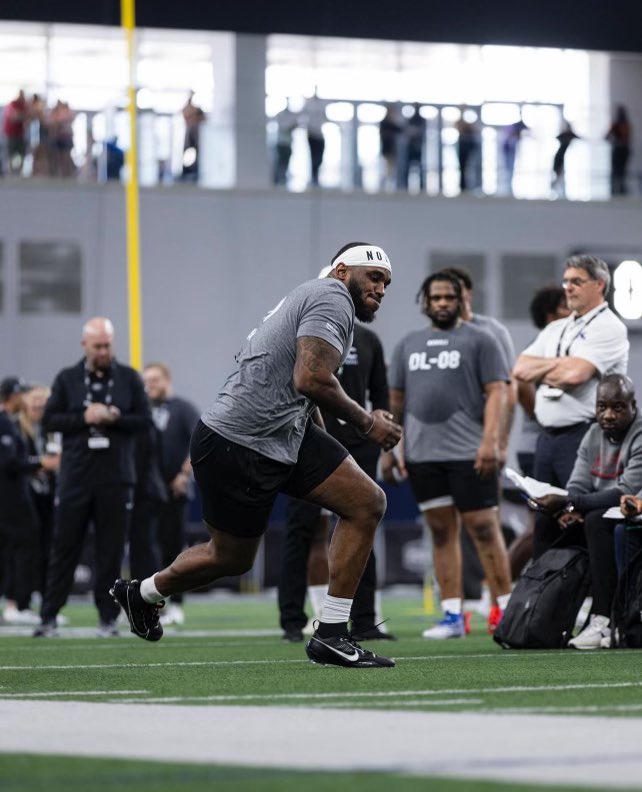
(608, 466)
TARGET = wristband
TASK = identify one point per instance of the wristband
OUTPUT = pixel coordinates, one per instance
(365, 434)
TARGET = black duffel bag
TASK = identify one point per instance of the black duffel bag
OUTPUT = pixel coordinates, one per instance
(547, 597)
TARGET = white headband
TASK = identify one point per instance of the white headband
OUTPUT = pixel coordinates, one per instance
(363, 256)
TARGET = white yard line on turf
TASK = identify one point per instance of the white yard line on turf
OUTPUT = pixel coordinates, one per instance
(59, 693)
(595, 751)
(187, 663)
(87, 632)
(414, 703)
(373, 694)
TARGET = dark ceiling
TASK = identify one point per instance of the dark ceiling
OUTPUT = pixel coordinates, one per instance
(580, 24)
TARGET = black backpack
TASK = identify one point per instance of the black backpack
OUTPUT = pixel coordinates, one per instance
(626, 611)
(545, 602)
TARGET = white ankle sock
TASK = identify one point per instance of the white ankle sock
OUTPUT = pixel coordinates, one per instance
(451, 605)
(316, 595)
(148, 590)
(335, 610)
(502, 601)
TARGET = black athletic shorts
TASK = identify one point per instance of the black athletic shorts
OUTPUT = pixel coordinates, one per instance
(437, 484)
(239, 486)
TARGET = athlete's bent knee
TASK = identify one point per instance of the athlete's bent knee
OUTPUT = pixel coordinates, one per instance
(373, 506)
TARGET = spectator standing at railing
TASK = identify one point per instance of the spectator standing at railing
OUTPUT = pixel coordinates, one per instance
(314, 118)
(286, 123)
(512, 136)
(193, 116)
(619, 136)
(14, 128)
(565, 138)
(61, 140)
(390, 137)
(413, 159)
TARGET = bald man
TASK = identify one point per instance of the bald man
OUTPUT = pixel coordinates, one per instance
(97, 404)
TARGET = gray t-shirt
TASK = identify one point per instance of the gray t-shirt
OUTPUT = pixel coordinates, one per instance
(259, 407)
(498, 332)
(443, 374)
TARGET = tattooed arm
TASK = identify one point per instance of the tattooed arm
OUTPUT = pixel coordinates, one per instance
(314, 367)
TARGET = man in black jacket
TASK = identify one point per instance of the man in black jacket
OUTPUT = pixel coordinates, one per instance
(18, 521)
(97, 404)
(162, 498)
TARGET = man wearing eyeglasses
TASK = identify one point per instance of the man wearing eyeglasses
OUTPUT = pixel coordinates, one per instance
(565, 363)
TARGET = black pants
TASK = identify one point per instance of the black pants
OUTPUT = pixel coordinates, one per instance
(19, 541)
(317, 147)
(109, 509)
(555, 456)
(157, 536)
(599, 536)
(301, 521)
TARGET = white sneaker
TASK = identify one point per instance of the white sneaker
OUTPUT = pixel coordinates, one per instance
(451, 626)
(61, 620)
(309, 627)
(11, 615)
(591, 636)
(583, 612)
(172, 614)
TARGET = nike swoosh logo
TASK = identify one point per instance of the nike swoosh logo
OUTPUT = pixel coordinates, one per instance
(351, 658)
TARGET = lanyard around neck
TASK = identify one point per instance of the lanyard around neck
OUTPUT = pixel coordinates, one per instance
(577, 335)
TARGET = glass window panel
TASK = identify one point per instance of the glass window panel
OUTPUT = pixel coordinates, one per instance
(50, 277)
(522, 275)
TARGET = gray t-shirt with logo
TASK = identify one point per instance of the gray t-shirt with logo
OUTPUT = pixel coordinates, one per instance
(259, 407)
(443, 374)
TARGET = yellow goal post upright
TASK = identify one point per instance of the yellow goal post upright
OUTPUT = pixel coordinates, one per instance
(134, 304)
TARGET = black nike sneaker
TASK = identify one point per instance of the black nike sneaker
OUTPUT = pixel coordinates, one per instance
(143, 616)
(343, 650)
(373, 633)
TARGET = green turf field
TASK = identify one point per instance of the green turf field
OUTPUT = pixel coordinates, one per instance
(223, 656)
(60, 773)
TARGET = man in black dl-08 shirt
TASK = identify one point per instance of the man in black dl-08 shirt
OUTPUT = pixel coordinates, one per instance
(97, 404)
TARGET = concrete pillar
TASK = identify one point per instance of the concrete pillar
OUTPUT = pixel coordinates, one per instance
(233, 141)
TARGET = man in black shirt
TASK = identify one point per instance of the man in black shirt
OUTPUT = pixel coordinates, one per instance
(174, 421)
(304, 557)
(18, 520)
(97, 404)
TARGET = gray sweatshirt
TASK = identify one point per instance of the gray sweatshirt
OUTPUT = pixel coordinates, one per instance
(604, 470)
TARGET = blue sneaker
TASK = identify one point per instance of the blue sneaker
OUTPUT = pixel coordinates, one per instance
(451, 626)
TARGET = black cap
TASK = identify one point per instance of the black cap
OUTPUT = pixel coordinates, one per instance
(11, 385)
